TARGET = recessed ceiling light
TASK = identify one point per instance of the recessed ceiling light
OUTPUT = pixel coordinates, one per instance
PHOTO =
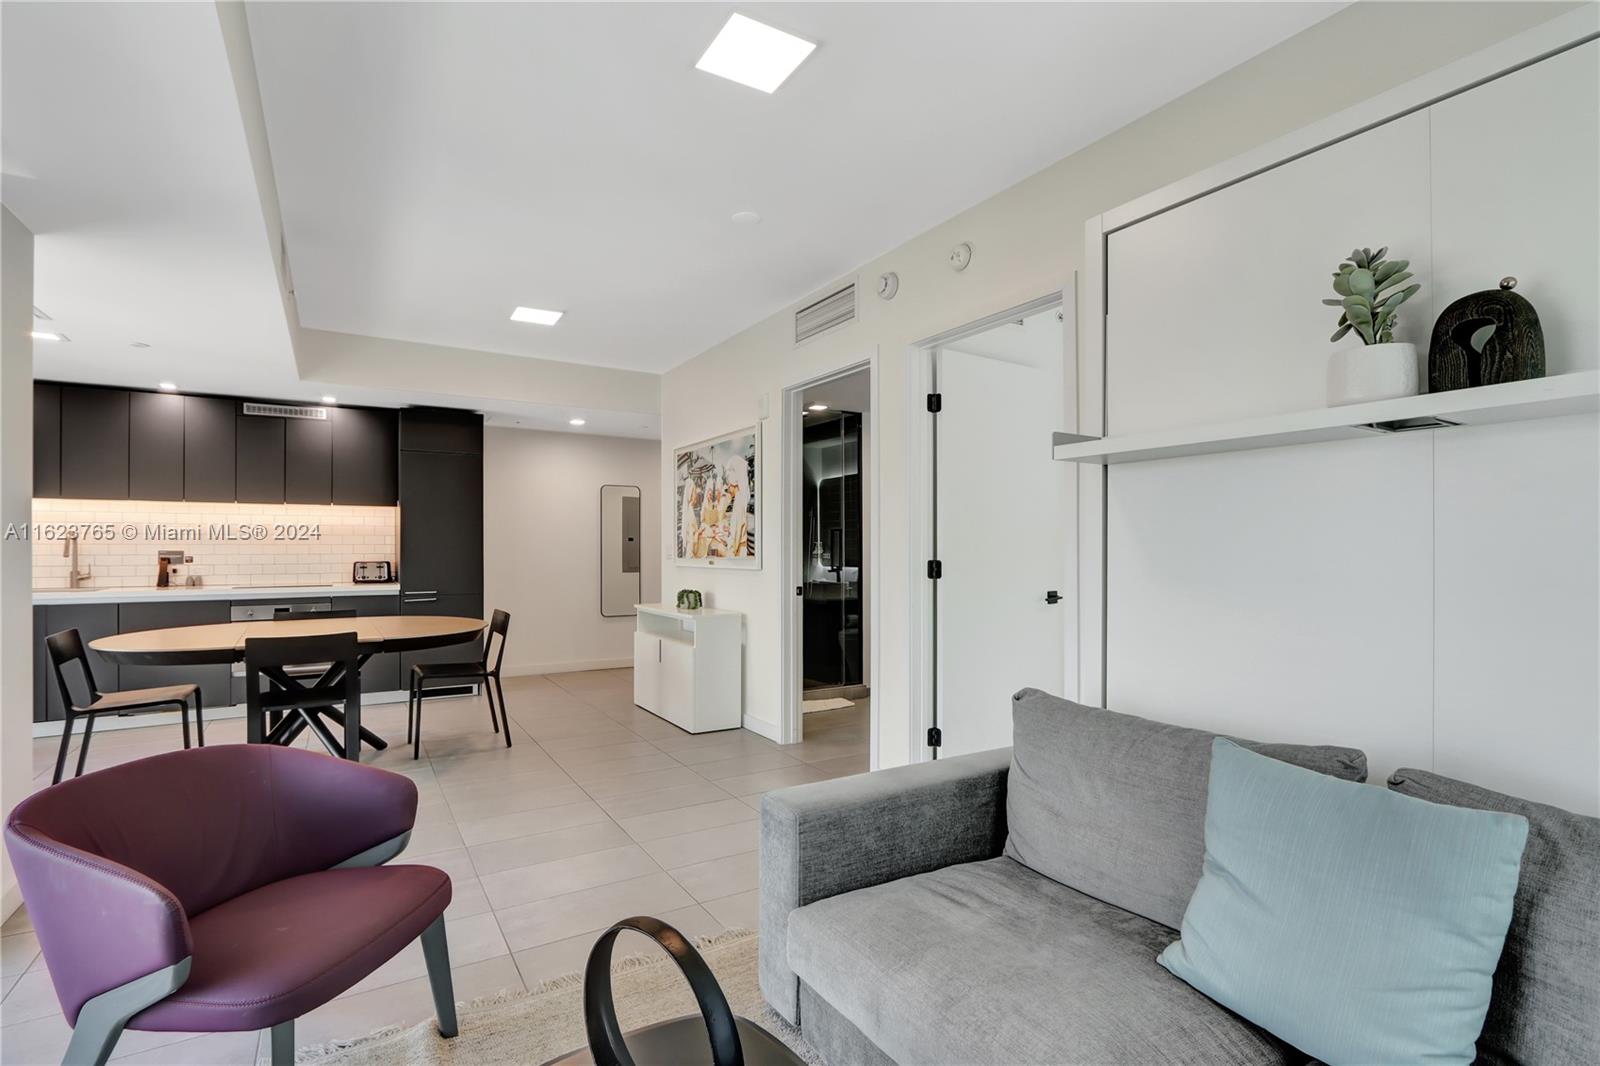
(46, 335)
(330, 399)
(817, 407)
(138, 344)
(754, 54)
(746, 218)
(575, 422)
(167, 386)
(536, 316)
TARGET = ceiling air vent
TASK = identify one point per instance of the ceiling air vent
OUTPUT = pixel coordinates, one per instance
(283, 410)
(834, 309)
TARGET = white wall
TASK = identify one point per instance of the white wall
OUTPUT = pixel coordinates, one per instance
(16, 494)
(541, 544)
(1027, 241)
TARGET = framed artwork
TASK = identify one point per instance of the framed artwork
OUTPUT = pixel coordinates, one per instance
(717, 501)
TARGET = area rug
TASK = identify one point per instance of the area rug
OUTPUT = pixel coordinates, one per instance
(826, 705)
(539, 1025)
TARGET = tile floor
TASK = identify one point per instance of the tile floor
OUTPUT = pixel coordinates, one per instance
(598, 811)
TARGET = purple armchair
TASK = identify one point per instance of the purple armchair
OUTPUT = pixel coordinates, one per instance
(223, 889)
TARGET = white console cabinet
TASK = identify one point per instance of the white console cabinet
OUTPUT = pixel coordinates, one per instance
(687, 666)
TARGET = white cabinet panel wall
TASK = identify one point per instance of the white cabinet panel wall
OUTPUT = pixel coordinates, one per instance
(1214, 308)
(1516, 167)
(1517, 565)
(1283, 594)
(1434, 597)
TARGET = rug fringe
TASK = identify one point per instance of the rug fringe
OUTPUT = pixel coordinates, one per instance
(313, 1052)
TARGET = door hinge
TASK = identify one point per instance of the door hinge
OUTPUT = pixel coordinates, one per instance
(935, 402)
(935, 570)
(935, 738)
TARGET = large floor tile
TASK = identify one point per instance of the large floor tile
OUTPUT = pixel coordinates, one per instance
(736, 912)
(740, 765)
(568, 956)
(526, 823)
(686, 819)
(526, 884)
(666, 799)
(560, 917)
(719, 878)
(543, 847)
(685, 849)
(766, 780)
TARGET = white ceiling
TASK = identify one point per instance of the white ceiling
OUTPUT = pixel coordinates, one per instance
(440, 164)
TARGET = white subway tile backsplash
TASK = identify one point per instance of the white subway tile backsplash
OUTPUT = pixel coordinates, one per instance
(345, 534)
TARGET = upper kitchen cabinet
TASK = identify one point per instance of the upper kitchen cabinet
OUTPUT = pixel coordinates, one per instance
(208, 448)
(94, 443)
(308, 460)
(438, 429)
(155, 446)
(258, 466)
(46, 440)
(365, 456)
(441, 524)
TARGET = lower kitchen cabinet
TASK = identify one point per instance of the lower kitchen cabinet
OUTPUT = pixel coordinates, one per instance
(92, 621)
(382, 672)
(459, 606)
(214, 679)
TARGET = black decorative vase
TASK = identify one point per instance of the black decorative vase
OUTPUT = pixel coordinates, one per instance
(1486, 338)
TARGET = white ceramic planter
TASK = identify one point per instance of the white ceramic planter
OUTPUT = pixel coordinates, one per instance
(1372, 372)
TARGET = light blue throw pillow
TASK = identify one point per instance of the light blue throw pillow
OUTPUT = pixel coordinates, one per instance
(1357, 924)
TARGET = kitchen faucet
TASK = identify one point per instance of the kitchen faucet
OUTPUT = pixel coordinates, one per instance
(69, 550)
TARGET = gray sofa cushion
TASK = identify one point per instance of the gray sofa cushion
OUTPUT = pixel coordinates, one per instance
(988, 962)
(1115, 805)
(1546, 1001)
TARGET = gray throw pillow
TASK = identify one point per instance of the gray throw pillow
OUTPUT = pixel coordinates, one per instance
(1546, 1001)
(1114, 805)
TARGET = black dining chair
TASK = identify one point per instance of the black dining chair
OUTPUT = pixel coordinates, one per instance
(66, 647)
(295, 705)
(458, 673)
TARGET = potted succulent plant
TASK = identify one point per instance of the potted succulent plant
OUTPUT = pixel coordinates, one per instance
(1370, 294)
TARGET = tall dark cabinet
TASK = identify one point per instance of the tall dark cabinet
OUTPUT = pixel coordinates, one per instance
(441, 519)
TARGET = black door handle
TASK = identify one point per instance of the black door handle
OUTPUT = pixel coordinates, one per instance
(1052, 596)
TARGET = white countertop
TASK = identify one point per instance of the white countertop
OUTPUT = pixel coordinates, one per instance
(179, 593)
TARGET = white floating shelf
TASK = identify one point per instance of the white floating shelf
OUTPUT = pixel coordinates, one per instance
(1565, 394)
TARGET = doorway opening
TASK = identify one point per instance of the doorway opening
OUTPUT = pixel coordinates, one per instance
(828, 556)
(995, 610)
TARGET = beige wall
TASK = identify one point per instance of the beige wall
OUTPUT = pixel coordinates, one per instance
(541, 550)
(1027, 241)
(16, 490)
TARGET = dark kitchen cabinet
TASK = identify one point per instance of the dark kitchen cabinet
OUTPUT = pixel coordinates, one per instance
(43, 678)
(208, 448)
(92, 621)
(382, 672)
(46, 440)
(461, 605)
(258, 453)
(441, 523)
(94, 443)
(155, 446)
(365, 456)
(213, 678)
(439, 429)
(308, 460)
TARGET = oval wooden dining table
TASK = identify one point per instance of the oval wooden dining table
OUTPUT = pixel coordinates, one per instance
(223, 642)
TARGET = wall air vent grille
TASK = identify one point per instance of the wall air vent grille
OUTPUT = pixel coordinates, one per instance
(281, 410)
(834, 309)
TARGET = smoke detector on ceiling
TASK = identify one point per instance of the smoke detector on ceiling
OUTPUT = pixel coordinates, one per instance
(960, 256)
(888, 285)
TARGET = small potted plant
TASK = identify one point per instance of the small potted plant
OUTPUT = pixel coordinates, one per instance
(1379, 368)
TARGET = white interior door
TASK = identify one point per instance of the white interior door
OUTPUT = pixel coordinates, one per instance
(1000, 529)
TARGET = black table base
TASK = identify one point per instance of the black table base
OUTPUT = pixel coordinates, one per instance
(287, 725)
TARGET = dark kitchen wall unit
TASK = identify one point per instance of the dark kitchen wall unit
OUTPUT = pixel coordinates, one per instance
(213, 678)
(155, 446)
(209, 436)
(94, 443)
(101, 443)
(46, 440)
(365, 456)
(382, 672)
(308, 460)
(441, 520)
(92, 621)
(258, 458)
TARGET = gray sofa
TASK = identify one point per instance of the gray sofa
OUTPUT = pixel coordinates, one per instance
(1008, 907)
